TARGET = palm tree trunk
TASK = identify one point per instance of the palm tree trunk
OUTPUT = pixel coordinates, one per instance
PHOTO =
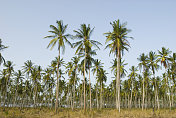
(101, 96)
(156, 94)
(82, 97)
(57, 84)
(84, 81)
(125, 100)
(143, 95)
(131, 94)
(74, 92)
(168, 87)
(139, 100)
(118, 81)
(90, 88)
(97, 97)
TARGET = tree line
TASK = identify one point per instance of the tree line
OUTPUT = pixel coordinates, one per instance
(34, 86)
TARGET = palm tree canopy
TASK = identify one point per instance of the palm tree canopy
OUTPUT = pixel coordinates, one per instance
(143, 59)
(118, 38)
(2, 47)
(123, 71)
(97, 66)
(164, 56)
(28, 67)
(84, 34)
(58, 36)
(153, 62)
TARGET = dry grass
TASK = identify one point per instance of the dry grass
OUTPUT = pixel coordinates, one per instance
(77, 113)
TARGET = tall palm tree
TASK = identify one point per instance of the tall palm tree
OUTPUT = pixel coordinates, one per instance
(118, 43)
(9, 68)
(143, 59)
(89, 61)
(85, 43)
(75, 67)
(163, 57)
(153, 65)
(2, 47)
(96, 69)
(58, 37)
(27, 68)
(3, 82)
(70, 72)
(172, 60)
(18, 78)
(102, 77)
(132, 75)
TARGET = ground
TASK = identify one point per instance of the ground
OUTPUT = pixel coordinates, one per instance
(78, 113)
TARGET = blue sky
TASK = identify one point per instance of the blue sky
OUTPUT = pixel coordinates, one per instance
(23, 24)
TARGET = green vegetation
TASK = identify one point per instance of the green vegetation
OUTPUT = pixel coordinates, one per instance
(33, 91)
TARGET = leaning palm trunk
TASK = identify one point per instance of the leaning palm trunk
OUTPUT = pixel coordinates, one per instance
(118, 81)
(57, 84)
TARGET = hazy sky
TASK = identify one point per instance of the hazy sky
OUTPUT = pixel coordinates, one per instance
(23, 24)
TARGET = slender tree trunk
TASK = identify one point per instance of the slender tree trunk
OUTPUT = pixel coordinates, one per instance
(84, 81)
(172, 96)
(146, 98)
(168, 87)
(90, 89)
(128, 101)
(101, 96)
(131, 94)
(57, 84)
(97, 96)
(139, 100)
(135, 99)
(118, 80)
(125, 100)
(74, 92)
(143, 94)
(35, 96)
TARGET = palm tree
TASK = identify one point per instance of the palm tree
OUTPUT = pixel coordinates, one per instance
(101, 78)
(132, 75)
(70, 72)
(163, 57)
(122, 68)
(75, 67)
(153, 65)
(96, 69)
(2, 47)
(84, 34)
(143, 59)
(27, 68)
(118, 43)
(18, 78)
(172, 60)
(58, 36)
(89, 61)
(3, 81)
(9, 68)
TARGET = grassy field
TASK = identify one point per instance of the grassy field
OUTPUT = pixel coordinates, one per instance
(77, 113)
